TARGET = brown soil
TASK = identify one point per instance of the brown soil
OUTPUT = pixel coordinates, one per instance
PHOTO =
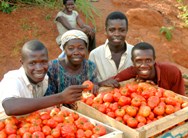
(145, 17)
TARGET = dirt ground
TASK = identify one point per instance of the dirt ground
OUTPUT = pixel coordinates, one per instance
(146, 17)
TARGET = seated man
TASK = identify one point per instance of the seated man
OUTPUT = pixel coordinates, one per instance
(145, 68)
(22, 90)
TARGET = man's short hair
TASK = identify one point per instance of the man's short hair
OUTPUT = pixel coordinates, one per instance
(143, 46)
(116, 15)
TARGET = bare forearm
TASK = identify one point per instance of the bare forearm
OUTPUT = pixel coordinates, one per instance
(20, 106)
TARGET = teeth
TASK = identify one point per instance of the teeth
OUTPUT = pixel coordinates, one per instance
(39, 75)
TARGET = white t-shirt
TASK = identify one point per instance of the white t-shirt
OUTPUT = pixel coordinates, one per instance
(72, 19)
(106, 67)
(16, 84)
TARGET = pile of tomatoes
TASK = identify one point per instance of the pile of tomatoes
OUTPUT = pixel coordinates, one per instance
(136, 104)
(53, 123)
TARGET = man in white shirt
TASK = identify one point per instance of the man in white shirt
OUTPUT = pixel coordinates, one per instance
(22, 90)
(115, 55)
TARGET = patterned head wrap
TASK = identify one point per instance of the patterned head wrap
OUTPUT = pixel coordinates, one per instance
(73, 34)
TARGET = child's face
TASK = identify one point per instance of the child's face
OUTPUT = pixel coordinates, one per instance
(70, 5)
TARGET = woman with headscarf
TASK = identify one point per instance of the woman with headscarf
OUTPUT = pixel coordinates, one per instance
(74, 69)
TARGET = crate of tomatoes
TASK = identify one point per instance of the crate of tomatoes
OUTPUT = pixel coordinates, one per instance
(140, 110)
(55, 123)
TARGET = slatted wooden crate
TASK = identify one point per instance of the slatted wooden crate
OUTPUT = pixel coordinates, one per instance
(111, 132)
(148, 130)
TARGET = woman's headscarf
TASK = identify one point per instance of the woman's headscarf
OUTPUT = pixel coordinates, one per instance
(73, 34)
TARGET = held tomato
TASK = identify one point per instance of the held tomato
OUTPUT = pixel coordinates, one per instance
(89, 85)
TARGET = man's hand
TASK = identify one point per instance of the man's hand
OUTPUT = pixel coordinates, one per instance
(72, 94)
(110, 83)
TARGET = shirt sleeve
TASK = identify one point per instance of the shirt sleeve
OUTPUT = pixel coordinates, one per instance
(126, 74)
(9, 87)
(178, 85)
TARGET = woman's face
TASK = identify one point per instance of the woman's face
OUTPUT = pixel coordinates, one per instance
(76, 51)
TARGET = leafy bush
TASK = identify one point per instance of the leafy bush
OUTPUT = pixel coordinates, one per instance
(167, 32)
(6, 7)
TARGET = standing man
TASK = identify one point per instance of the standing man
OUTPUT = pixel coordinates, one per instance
(115, 55)
(22, 90)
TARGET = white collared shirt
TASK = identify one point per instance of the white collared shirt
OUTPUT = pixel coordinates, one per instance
(106, 66)
(16, 84)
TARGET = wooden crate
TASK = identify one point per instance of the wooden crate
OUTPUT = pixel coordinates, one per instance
(142, 132)
(111, 132)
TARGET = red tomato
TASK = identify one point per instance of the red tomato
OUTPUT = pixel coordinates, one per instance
(46, 130)
(99, 130)
(116, 96)
(153, 101)
(88, 126)
(95, 105)
(56, 133)
(102, 108)
(132, 122)
(80, 133)
(80, 122)
(125, 118)
(14, 136)
(169, 109)
(119, 119)
(23, 129)
(123, 100)
(49, 136)
(98, 100)
(74, 115)
(52, 123)
(89, 101)
(88, 133)
(108, 97)
(136, 101)
(131, 110)
(114, 106)
(58, 118)
(68, 131)
(3, 134)
(140, 124)
(159, 110)
(10, 129)
(89, 85)
(141, 119)
(119, 112)
(111, 114)
(124, 91)
(144, 111)
(38, 134)
(132, 87)
(2, 125)
(64, 113)
(34, 128)
(69, 119)
(170, 101)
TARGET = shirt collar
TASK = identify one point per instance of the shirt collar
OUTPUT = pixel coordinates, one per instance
(108, 53)
(26, 80)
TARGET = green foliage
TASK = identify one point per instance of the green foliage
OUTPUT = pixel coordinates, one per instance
(183, 12)
(185, 76)
(167, 32)
(6, 7)
(88, 10)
